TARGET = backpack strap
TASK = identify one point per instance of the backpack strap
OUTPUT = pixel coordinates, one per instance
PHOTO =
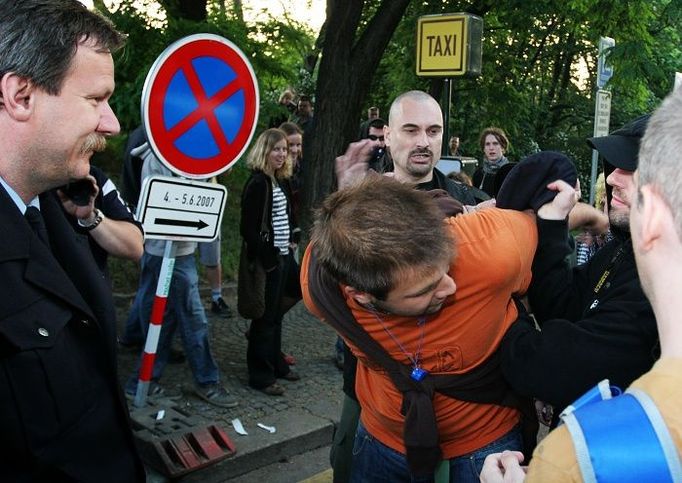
(623, 439)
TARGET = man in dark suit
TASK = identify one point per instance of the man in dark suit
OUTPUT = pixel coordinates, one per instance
(62, 415)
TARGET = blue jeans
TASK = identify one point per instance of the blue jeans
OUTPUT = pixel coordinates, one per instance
(184, 312)
(375, 462)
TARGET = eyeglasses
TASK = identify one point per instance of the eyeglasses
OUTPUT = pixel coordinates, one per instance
(374, 138)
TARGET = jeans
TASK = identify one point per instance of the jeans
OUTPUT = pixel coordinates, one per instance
(184, 312)
(376, 462)
(264, 352)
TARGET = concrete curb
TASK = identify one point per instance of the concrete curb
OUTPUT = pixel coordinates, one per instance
(297, 432)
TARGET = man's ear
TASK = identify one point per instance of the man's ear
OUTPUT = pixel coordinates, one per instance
(17, 96)
(387, 134)
(363, 298)
(655, 214)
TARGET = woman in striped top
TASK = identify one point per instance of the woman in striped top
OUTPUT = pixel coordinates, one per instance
(266, 195)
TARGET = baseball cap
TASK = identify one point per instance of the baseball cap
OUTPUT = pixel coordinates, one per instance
(621, 148)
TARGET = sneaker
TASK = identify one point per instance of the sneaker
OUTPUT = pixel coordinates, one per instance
(291, 376)
(273, 389)
(217, 395)
(219, 307)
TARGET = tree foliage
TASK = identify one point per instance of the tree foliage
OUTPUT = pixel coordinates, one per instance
(539, 68)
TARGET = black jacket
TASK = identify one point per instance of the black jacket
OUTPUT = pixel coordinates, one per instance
(256, 197)
(460, 192)
(62, 413)
(585, 337)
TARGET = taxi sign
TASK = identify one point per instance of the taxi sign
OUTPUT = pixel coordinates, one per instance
(181, 209)
(200, 105)
(449, 45)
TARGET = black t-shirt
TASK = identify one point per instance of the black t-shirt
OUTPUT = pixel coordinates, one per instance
(111, 204)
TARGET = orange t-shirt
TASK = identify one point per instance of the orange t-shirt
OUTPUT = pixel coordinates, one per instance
(494, 251)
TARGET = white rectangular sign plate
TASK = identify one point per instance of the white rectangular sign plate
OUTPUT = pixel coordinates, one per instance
(180, 209)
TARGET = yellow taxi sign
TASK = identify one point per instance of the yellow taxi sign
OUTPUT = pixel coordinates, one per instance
(449, 45)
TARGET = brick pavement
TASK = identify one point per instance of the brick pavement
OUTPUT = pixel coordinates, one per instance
(304, 415)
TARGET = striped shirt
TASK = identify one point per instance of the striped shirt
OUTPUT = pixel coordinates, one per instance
(280, 220)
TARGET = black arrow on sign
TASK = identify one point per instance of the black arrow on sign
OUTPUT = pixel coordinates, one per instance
(165, 221)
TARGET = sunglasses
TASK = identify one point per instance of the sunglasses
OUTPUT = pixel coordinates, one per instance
(374, 138)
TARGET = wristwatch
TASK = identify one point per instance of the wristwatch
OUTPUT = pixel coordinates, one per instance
(94, 223)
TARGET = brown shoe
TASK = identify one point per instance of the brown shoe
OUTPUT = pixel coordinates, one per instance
(291, 376)
(273, 389)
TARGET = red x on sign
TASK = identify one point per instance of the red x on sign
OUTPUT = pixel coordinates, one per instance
(200, 105)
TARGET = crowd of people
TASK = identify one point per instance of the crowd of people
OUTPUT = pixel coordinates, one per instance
(464, 323)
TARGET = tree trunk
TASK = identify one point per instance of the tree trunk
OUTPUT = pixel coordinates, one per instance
(349, 60)
(187, 9)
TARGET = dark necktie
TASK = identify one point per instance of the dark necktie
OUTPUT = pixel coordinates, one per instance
(35, 219)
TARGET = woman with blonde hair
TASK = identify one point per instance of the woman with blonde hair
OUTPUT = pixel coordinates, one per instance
(266, 201)
(295, 140)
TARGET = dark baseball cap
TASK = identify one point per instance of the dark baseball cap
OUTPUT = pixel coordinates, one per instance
(621, 148)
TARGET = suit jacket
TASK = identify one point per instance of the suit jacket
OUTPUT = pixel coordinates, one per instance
(62, 412)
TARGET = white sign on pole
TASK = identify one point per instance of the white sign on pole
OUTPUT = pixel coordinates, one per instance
(181, 209)
(602, 113)
(602, 119)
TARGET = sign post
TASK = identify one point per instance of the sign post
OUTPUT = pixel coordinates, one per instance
(602, 107)
(199, 110)
(448, 46)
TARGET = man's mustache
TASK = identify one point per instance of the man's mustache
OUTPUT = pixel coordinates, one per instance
(94, 143)
(421, 151)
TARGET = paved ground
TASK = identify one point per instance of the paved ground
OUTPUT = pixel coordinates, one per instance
(303, 417)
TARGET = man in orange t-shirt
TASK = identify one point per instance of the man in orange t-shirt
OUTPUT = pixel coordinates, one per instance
(396, 262)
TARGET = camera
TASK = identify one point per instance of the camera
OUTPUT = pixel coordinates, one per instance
(79, 191)
(377, 155)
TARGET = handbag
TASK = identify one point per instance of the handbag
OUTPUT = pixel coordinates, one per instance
(251, 276)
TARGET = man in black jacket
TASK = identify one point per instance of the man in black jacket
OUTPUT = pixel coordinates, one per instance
(595, 321)
(62, 414)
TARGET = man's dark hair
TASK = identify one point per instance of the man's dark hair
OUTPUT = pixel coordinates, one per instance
(377, 123)
(370, 235)
(39, 38)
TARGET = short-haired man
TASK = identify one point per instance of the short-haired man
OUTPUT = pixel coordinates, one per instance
(414, 136)
(304, 114)
(62, 413)
(391, 262)
(596, 322)
(656, 229)
(381, 160)
(453, 146)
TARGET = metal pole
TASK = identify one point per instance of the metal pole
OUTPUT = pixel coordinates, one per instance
(447, 97)
(593, 175)
(155, 322)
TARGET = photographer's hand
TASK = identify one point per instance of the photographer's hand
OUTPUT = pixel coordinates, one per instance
(352, 166)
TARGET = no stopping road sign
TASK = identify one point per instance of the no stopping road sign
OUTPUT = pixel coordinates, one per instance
(200, 105)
